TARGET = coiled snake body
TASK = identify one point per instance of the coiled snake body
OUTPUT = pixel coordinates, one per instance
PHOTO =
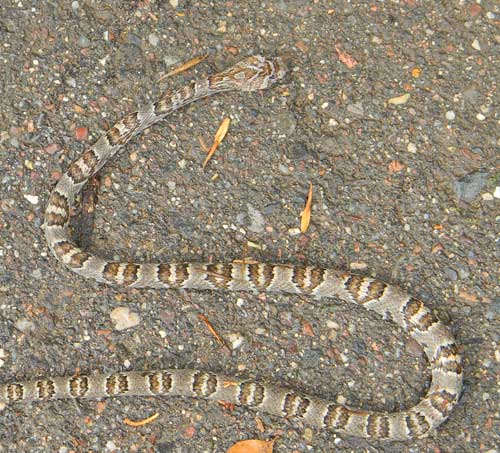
(389, 301)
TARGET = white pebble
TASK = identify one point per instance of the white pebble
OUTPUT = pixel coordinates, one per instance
(487, 196)
(153, 39)
(496, 194)
(412, 148)
(475, 44)
(332, 325)
(123, 318)
(174, 3)
(33, 199)
(450, 115)
(480, 117)
(236, 340)
(111, 446)
(293, 231)
(24, 325)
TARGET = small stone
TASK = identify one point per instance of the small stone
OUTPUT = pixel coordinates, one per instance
(24, 325)
(293, 231)
(123, 318)
(475, 44)
(412, 148)
(33, 199)
(284, 170)
(497, 355)
(398, 100)
(450, 115)
(174, 3)
(341, 399)
(83, 41)
(257, 222)
(235, 339)
(332, 325)
(153, 39)
(111, 446)
(356, 108)
(452, 274)
(496, 194)
(470, 186)
(37, 273)
(480, 117)
(487, 196)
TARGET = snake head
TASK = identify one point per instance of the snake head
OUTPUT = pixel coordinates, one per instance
(253, 73)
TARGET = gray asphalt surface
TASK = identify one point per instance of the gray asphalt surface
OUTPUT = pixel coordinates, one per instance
(406, 190)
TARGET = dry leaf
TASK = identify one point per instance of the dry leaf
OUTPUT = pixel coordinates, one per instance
(403, 99)
(345, 58)
(306, 213)
(219, 136)
(184, 67)
(142, 422)
(253, 446)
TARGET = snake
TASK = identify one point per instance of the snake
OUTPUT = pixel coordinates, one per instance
(389, 301)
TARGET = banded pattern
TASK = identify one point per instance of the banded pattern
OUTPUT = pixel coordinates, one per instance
(389, 301)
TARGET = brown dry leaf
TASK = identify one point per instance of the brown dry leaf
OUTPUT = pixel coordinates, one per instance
(252, 446)
(219, 136)
(345, 58)
(305, 216)
(398, 100)
(142, 422)
(184, 66)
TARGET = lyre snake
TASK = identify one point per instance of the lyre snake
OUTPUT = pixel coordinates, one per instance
(407, 312)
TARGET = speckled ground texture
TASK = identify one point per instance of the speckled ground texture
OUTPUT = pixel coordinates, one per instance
(405, 191)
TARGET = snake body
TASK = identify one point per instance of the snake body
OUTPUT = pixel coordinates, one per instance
(389, 301)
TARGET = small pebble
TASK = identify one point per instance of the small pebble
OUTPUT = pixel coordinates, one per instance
(257, 221)
(235, 339)
(487, 196)
(475, 44)
(33, 199)
(450, 115)
(123, 318)
(24, 325)
(496, 194)
(480, 117)
(153, 39)
(412, 148)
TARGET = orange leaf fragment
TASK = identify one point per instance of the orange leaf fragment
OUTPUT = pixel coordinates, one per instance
(219, 136)
(142, 422)
(305, 216)
(345, 58)
(253, 446)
